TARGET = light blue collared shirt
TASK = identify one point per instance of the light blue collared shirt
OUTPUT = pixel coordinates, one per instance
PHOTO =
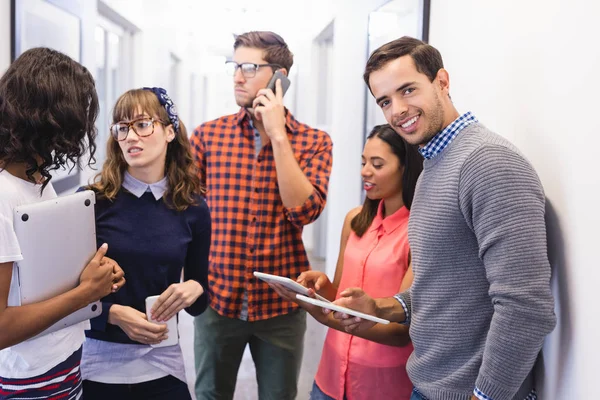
(138, 188)
(440, 141)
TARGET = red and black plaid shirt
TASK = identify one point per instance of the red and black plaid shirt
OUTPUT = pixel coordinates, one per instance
(251, 228)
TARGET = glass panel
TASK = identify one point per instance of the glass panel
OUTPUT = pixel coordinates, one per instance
(114, 59)
(102, 121)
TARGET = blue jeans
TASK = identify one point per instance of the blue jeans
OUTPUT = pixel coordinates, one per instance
(417, 396)
(317, 394)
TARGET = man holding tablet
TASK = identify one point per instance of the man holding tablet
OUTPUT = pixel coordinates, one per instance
(480, 304)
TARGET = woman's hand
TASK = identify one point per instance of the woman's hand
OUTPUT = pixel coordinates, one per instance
(118, 273)
(290, 295)
(136, 326)
(316, 280)
(177, 297)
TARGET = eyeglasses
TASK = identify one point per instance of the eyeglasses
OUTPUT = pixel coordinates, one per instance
(141, 126)
(248, 69)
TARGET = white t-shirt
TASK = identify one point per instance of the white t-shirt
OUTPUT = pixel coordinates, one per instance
(37, 356)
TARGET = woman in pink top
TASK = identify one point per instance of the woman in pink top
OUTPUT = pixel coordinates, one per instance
(375, 256)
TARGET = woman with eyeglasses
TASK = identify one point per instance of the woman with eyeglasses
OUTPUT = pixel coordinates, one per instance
(150, 205)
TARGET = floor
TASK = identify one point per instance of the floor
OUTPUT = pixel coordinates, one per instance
(246, 388)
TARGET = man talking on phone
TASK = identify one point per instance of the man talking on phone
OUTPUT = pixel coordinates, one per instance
(266, 176)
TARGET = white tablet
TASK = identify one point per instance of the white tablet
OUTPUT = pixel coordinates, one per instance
(173, 335)
(57, 239)
(287, 282)
(335, 307)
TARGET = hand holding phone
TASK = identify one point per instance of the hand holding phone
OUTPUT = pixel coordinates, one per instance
(173, 338)
(269, 109)
(285, 82)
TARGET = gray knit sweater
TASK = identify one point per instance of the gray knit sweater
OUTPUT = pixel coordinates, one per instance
(480, 303)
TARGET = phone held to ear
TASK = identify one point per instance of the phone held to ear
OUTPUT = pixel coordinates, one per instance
(285, 82)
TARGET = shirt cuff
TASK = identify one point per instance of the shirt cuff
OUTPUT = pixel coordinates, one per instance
(99, 323)
(406, 313)
(480, 395)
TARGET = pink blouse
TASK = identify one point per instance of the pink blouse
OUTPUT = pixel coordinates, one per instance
(357, 368)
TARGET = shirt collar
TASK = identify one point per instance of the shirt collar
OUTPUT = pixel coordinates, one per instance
(391, 222)
(138, 188)
(440, 141)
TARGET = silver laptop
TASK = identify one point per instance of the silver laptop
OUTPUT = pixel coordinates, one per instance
(57, 239)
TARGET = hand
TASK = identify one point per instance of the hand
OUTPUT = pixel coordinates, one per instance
(316, 280)
(99, 278)
(474, 397)
(268, 108)
(177, 297)
(290, 295)
(355, 299)
(285, 293)
(136, 325)
(119, 274)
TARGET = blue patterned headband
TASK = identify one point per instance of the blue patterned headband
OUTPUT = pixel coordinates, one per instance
(167, 103)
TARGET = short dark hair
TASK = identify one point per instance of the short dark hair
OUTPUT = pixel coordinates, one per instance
(412, 162)
(427, 58)
(48, 107)
(276, 51)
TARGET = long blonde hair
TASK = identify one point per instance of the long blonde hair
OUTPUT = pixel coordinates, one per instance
(180, 168)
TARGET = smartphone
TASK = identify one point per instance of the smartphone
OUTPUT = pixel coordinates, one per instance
(173, 334)
(285, 82)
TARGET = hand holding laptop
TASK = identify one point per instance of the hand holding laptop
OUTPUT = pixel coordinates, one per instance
(102, 276)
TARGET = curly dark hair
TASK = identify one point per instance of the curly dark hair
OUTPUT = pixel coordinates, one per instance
(48, 107)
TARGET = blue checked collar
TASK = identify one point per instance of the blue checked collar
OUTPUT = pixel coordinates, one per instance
(440, 141)
(138, 188)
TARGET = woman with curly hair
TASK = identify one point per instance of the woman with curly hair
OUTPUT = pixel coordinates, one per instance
(150, 206)
(48, 106)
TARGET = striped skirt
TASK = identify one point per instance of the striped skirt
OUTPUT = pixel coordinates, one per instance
(61, 382)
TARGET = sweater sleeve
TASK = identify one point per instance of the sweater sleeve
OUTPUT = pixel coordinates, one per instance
(196, 261)
(503, 203)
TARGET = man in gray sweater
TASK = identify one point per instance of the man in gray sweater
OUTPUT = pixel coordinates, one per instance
(480, 305)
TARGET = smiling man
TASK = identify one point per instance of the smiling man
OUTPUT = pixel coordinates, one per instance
(267, 176)
(480, 304)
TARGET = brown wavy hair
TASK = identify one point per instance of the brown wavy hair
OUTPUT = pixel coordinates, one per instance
(409, 158)
(48, 107)
(275, 49)
(180, 168)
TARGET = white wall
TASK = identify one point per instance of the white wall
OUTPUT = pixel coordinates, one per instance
(349, 58)
(5, 33)
(527, 69)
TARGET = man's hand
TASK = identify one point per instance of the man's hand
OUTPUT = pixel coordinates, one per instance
(268, 108)
(355, 299)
